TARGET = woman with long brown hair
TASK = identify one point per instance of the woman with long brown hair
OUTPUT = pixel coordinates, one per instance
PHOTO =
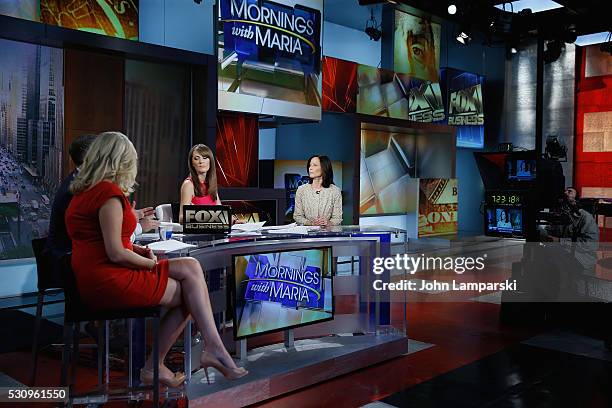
(200, 186)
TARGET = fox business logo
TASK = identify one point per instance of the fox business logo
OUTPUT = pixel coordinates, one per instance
(206, 220)
(465, 107)
(425, 103)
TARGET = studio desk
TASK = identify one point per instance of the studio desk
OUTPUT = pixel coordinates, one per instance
(368, 327)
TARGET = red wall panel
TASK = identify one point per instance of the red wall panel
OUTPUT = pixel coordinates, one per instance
(237, 150)
(593, 94)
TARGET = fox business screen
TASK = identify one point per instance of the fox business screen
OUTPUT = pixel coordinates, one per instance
(281, 290)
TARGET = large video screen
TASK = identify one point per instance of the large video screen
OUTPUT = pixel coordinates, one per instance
(108, 17)
(438, 206)
(253, 210)
(339, 85)
(31, 142)
(270, 57)
(237, 148)
(281, 290)
(416, 47)
(386, 93)
(463, 91)
(387, 171)
(26, 9)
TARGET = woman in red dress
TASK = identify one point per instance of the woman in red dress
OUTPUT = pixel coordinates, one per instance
(111, 273)
(201, 163)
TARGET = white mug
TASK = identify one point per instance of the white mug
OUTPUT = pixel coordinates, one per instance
(165, 233)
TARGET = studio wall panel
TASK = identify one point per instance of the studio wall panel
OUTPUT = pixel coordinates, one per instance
(237, 148)
(93, 84)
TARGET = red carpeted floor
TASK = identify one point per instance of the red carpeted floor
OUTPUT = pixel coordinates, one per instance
(461, 333)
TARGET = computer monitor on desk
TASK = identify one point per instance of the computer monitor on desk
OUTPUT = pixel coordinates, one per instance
(207, 219)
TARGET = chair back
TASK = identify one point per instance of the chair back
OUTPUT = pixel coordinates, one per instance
(163, 212)
(75, 310)
(47, 268)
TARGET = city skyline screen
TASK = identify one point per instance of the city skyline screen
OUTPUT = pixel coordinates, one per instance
(31, 142)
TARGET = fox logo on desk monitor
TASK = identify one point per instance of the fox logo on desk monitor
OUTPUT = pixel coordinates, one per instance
(206, 219)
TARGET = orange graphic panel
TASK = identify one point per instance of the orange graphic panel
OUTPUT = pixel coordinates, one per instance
(115, 18)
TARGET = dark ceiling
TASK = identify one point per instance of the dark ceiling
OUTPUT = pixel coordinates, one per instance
(583, 16)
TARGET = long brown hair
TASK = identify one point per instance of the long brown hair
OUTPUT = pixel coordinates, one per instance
(211, 174)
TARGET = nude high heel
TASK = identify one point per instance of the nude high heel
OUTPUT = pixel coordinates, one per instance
(209, 360)
(146, 377)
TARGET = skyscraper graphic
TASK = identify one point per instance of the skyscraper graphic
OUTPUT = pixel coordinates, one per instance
(31, 139)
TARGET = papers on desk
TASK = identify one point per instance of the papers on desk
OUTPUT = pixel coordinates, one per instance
(238, 233)
(175, 226)
(248, 227)
(302, 230)
(148, 236)
(169, 245)
(277, 227)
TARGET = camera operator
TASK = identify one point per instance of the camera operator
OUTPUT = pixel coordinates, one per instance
(573, 252)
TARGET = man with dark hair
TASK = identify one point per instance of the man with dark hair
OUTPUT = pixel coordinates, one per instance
(58, 242)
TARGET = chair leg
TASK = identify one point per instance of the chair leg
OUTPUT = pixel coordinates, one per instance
(107, 350)
(39, 308)
(75, 353)
(66, 352)
(100, 350)
(156, 362)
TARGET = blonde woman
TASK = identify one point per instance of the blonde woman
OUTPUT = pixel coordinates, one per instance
(112, 273)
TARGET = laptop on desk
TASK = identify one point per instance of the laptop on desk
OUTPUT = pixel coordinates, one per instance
(207, 219)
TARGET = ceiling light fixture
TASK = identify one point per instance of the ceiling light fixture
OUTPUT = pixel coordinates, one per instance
(452, 9)
(463, 37)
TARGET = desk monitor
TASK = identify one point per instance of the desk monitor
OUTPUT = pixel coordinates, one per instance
(207, 219)
(280, 290)
(504, 221)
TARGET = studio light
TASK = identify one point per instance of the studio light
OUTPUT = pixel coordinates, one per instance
(553, 51)
(463, 37)
(452, 9)
(372, 28)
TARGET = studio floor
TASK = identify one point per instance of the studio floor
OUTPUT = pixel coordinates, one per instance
(467, 357)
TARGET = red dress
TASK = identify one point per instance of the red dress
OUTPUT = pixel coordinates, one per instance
(206, 199)
(103, 284)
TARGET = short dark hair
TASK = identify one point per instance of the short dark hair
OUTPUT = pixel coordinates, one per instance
(78, 148)
(327, 172)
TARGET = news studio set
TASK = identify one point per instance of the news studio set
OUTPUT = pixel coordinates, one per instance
(305, 203)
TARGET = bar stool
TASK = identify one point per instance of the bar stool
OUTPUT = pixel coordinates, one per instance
(48, 279)
(77, 311)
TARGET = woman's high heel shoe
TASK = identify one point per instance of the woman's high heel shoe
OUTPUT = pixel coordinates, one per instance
(209, 360)
(146, 377)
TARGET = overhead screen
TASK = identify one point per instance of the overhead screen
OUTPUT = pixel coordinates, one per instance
(280, 290)
(270, 57)
(108, 17)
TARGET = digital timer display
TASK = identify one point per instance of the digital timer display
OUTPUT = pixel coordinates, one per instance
(498, 198)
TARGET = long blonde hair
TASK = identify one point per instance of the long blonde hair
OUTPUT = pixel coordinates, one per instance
(111, 156)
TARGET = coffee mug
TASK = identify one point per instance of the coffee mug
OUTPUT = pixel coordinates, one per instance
(165, 233)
